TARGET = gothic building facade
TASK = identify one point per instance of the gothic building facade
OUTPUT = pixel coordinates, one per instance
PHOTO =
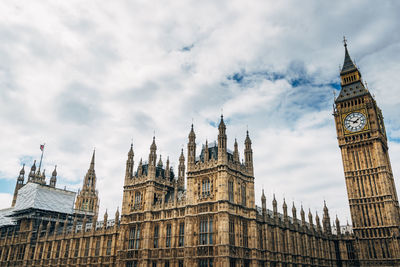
(213, 220)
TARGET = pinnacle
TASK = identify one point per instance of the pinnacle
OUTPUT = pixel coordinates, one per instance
(93, 159)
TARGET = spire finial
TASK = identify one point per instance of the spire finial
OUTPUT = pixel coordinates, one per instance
(93, 157)
(344, 41)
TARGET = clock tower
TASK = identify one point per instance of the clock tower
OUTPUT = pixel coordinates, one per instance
(371, 191)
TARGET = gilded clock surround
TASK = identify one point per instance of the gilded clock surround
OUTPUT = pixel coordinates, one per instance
(366, 127)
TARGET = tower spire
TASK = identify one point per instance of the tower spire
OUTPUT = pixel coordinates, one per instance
(191, 148)
(348, 64)
(129, 164)
(87, 199)
(181, 171)
(19, 184)
(248, 153)
(352, 85)
(53, 179)
(92, 161)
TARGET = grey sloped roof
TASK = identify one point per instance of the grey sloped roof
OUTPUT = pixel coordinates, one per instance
(4, 219)
(351, 90)
(348, 64)
(36, 196)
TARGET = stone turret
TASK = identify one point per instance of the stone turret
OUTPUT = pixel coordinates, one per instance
(284, 207)
(181, 171)
(53, 179)
(129, 165)
(191, 148)
(248, 154)
(19, 184)
(294, 213)
(326, 221)
(222, 142)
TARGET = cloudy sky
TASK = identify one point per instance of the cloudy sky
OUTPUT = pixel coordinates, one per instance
(97, 74)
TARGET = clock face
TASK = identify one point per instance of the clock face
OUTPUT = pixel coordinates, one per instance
(355, 121)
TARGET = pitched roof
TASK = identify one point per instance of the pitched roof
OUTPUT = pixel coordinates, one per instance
(42, 197)
(351, 90)
(348, 65)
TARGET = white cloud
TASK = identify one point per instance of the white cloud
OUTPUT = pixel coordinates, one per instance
(83, 75)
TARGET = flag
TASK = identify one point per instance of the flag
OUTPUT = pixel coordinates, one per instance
(42, 147)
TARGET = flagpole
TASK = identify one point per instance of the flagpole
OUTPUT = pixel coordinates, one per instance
(41, 157)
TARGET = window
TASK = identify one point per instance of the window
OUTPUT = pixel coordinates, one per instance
(180, 263)
(131, 264)
(156, 228)
(87, 247)
(245, 234)
(58, 249)
(138, 199)
(168, 237)
(181, 240)
(166, 264)
(108, 248)
(49, 250)
(20, 253)
(231, 231)
(76, 248)
(97, 249)
(134, 237)
(230, 190)
(40, 252)
(66, 249)
(205, 187)
(260, 237)
(232, 262)
(206, 263)
(154, 264)
(243, 195)
(206, 231)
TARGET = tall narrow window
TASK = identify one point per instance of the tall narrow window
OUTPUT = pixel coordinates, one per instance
(58, 249)
(243, 195)
(49, 248)
(230, 190)
(87, 247)
(156, 236)
(134, 237)
(138, 199)
(40, 252)
(231, 231)
(66, 253)
(137, 237)
(181, 240)
(97, 249)
(245, 234)
(108, 248)
(76, 248)
(168, 236)
(206, 231)
(205, 187)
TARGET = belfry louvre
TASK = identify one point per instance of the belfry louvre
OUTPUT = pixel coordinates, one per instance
(205, 213)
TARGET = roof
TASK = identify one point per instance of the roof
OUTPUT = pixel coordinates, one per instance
(352, 90)
(4, 219)
(348, 65)
(37, 196)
